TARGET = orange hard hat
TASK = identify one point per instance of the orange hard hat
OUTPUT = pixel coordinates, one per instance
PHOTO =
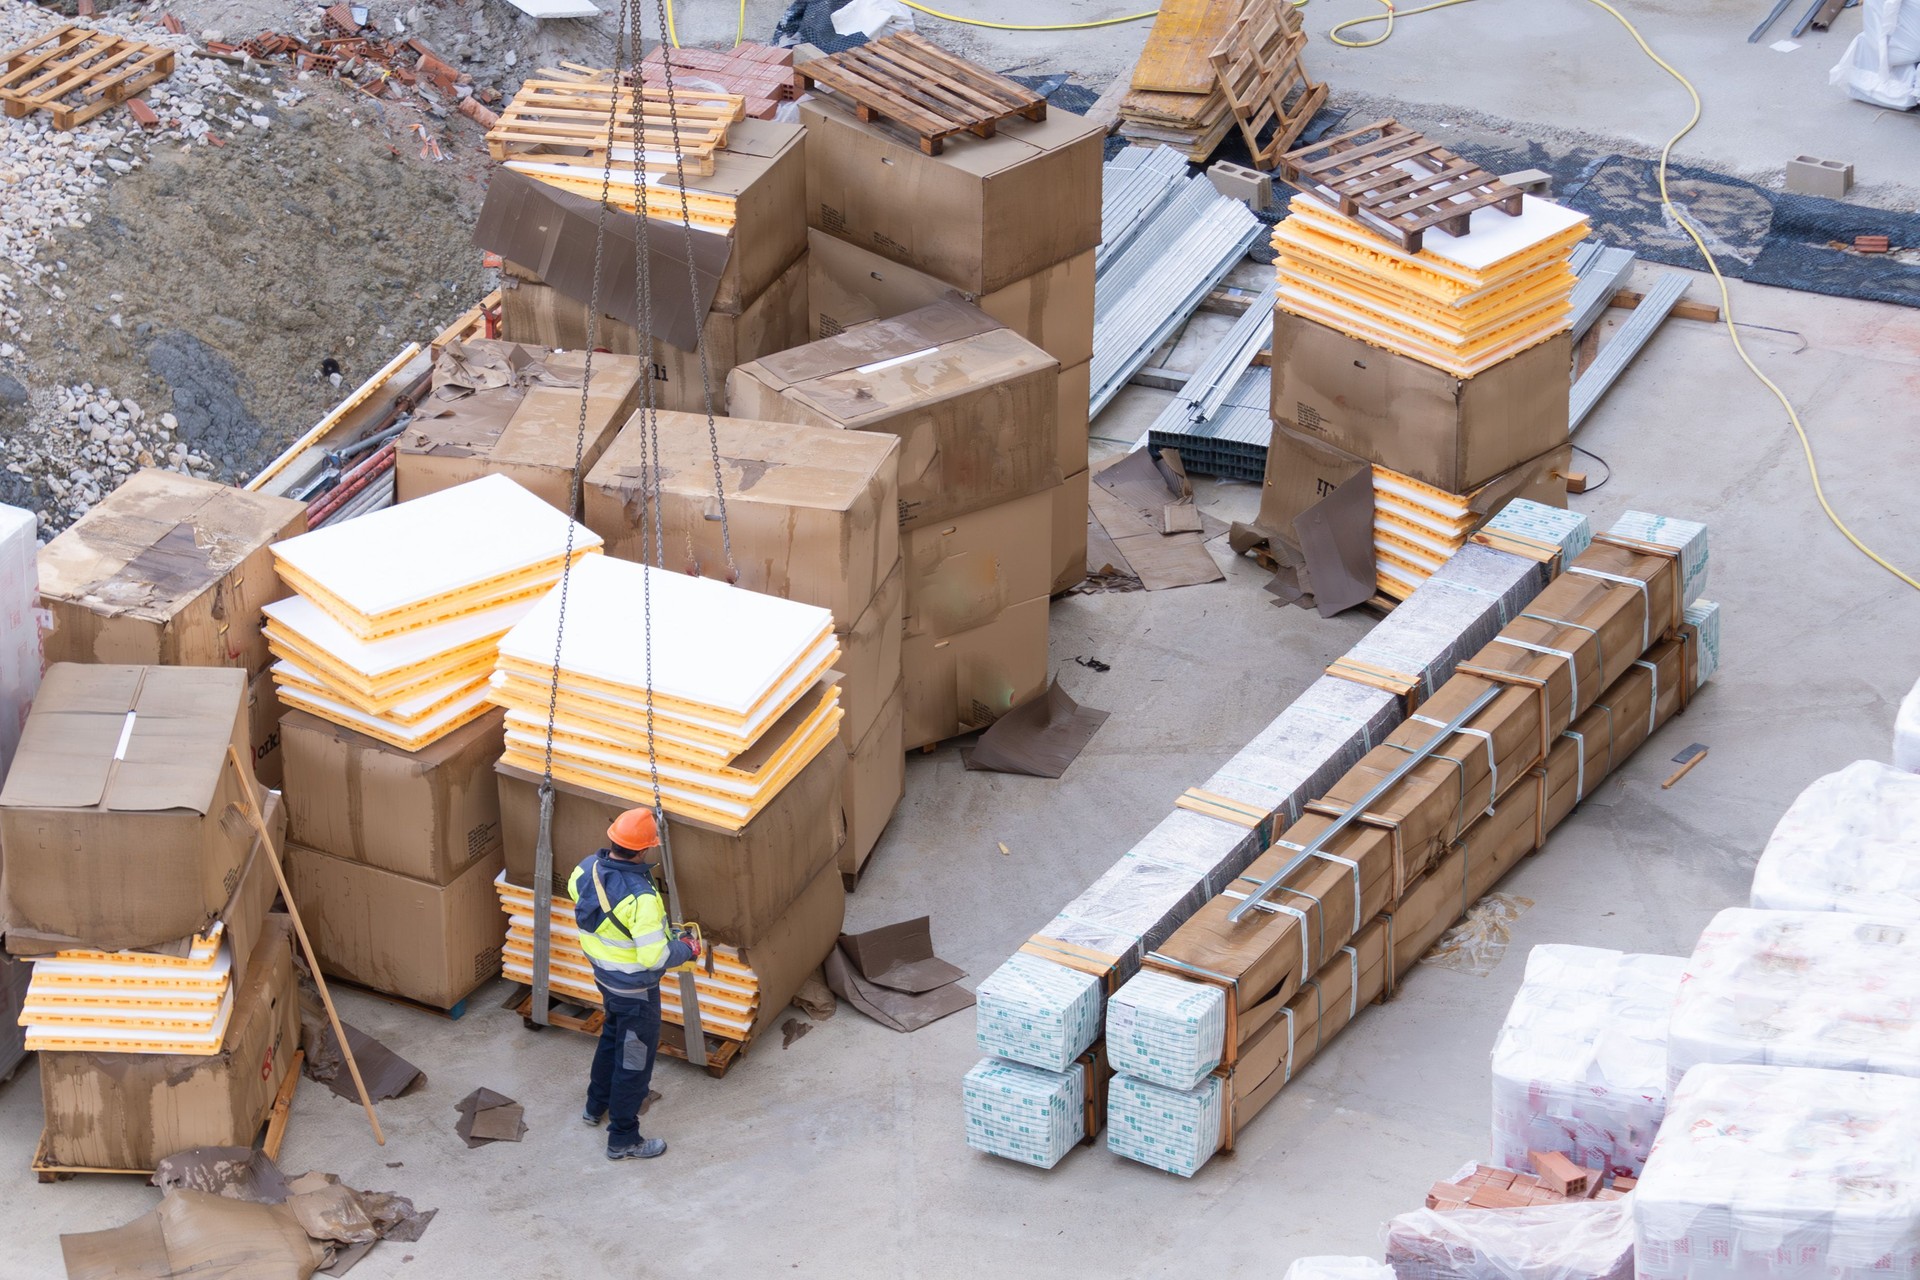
(635, 830)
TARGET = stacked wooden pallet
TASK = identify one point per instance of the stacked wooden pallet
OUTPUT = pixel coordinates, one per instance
(922, 90)
(1208, 66)
(132, 1002)
(73, 73)
(734, 694)
(396, 617)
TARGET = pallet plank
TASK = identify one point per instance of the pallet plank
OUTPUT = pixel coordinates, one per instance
(918, 87)
(1397, 182)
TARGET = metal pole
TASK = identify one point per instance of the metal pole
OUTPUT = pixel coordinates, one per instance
(1359, 806)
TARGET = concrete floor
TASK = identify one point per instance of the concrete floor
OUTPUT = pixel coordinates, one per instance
(844, 1154)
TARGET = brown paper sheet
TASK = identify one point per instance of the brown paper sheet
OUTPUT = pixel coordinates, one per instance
(1038, 738)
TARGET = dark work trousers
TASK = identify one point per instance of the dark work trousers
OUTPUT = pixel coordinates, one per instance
(623, 1063)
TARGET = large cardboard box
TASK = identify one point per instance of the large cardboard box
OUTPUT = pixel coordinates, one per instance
(263, 729)
(773, 320)
(14, 977)
(167, 570)
(869, 662)
(1301, 470)
(132, 1110)
(111, 819)
(984, 213)
(964, 572)
(513, 409)
(425, 814)
(958, 683)
(810, 510)
(1070, 533)
(1453, 433)
(736, 885)
(787, 952)
(848, 285)
(1073, 423)
(426, 942)
(876, 779)
(972, 402)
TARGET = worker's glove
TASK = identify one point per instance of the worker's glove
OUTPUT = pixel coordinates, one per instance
(697, 947)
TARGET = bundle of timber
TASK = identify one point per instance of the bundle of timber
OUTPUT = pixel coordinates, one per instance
(1580, 1065)
(731, 698)
(396, 617)
(1041, 1007)
(1377, 868)
(1849, 842)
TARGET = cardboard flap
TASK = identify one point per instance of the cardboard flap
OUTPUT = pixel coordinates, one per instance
(930, 327)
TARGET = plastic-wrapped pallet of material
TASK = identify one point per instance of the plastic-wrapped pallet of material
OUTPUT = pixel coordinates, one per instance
(1166, 1031)
(1849, 842)
(1171, 1129)
(1704, 617)
(1689, 537)
(1756, 1166)
(1452, 616)
(1580, 1066)
(1906, 732)
(1800, 989)
(19, 616)
(1025, 1113)
(1586, 1240)
(1034, 1011)
(1334, 1267)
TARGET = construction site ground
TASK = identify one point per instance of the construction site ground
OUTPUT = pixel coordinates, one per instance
(844, 1153)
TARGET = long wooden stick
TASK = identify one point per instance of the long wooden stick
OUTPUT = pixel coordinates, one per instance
(252, 809)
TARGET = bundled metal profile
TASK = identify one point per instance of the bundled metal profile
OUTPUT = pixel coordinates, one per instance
(1615, 356)
(1207, 419)
(1601, 269)
(1135, 183)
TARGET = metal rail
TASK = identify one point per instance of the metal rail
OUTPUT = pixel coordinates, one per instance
(1614, 357)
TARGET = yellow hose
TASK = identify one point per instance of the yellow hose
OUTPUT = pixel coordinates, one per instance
(1012, 26)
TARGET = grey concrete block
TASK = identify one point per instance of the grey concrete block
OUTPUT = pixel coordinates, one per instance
(1242, 183)
(1812, 176)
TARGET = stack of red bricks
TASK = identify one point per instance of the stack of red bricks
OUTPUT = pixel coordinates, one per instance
(759, 73)
(1558, 1181)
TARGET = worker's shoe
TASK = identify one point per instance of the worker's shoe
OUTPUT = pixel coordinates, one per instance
(593, 1119)
(645, 1149)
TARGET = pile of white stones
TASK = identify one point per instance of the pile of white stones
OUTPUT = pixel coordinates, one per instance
(99, 440)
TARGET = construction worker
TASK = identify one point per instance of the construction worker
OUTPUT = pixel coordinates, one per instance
(624, 931)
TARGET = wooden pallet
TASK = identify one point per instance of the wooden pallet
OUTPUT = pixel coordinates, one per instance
(1396, 182)
(921, 88)
(1257, 64)
(74, 73)
(585, 1019)
(564, 119)
(275, 1127)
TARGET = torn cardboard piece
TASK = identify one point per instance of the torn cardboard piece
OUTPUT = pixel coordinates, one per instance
(386, 1073)
(486, 1116)
(1336, 540)
(1038, 738)
(892, 975)
(1144, 524)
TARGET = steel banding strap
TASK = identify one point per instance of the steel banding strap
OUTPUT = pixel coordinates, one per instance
(1306, 951)
(1580, 757)
(1646, 599)
(1286, 1011)
(1466, 868)
(1353, 983)
(1599, 649)
(1348, 863)
(1319, 1018)
(1573, 663)
(1391, 960)
(1493, 766)
(1608, 708)
(1653, 700)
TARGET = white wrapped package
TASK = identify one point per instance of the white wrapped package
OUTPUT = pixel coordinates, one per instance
(1547, 526)
(1689, 537)
(1585, 1240)
(1037, 1012)
(1849, 842)
(1166, 1031)
(1024, 1113)
(1800, 989)
(1173, 1129)
(1882, 64)
(1580, 1066)
(19, 625)
(1906, 732)
(1704, 617)
(1782, 1173)
(1334, 1267)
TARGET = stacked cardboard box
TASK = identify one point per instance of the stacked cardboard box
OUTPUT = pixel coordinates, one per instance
(130, 860)
(748, 247)
(811, 516)
(500, 408)
(174, 571)
(1599, 660)
(1011, 222)
(1445, 370)
(973, 405)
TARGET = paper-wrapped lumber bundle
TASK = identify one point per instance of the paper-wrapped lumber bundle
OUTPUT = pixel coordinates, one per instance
(1026, 1113)
(1849, 842)
(1034, 1011)
(394, 627)
(1165, 1031)
(1800, 988)
(1172, 1129)
(1580, 1064)
(741, 692)
(1755, 1165)
(1585, 1240)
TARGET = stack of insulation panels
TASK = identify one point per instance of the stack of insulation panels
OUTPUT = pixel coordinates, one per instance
(1462, 303)
(729, 996)
(1417, 528)
(398, 614)
(132, 1002)
(741, 698)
